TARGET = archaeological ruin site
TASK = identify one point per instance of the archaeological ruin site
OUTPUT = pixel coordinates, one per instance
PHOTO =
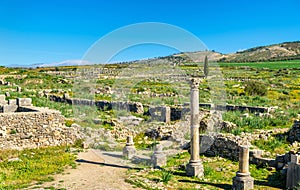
(163, 126)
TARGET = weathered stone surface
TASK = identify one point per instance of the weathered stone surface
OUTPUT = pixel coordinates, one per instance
(194, 167)
(129, 150)
(24, 102)
(158, 159)
(12, 102)
(243, 180)
(160, 113)
(2, 99)
(293, 172)
(44, 127)
(242, 183)
(9, 108)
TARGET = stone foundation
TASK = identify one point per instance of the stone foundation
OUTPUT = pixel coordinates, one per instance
(36, 128)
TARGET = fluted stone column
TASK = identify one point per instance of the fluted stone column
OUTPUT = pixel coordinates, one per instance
(194, 167)
(129, 150)
(243, 180)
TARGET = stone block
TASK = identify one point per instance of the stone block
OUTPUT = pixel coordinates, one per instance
(161, 113)
(158, 159)
(12, 102)
(2, 99)
(195, 169)
(242, 183)
(24, 102)
(9, 108)
(129, 152)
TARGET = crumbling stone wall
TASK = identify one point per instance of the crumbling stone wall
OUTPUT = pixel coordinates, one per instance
(44, 127)
(136, 107)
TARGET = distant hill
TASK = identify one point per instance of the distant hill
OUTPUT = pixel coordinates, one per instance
(275, 52)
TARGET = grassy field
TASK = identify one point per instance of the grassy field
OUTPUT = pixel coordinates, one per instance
(18, 169)
(292, 64)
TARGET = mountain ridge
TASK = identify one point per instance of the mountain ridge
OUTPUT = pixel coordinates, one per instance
(273, 52)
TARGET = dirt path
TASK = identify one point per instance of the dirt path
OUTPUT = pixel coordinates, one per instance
(96, 171)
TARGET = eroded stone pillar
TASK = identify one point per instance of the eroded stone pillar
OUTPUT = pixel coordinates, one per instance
(194, 167)
(243, 180)
(129, 150)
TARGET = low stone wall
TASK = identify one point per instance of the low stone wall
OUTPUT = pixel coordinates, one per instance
(41, 127)
(226, 146)
(166, 113)
(136, 107)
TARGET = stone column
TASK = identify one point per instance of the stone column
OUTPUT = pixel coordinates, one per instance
(243, 180)
(158, 159)
(129, 150)
(194, 167)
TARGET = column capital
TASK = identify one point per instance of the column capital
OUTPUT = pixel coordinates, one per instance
(194, 82)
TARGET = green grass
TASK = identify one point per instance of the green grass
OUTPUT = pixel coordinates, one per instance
(218, 174)
(35, 165)
(270, 65)
(253, 121)
(274, 145)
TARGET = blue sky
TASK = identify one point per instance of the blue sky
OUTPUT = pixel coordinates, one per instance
(46, 31)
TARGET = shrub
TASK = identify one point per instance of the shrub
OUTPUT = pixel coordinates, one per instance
(255, 88)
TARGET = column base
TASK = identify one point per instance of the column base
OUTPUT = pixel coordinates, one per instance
(242, 182)
(158, 160)
(195, 168)
(129, 152)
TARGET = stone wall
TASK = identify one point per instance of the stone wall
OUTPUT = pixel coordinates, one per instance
(173, 113)
(41, 127)
(136, 107)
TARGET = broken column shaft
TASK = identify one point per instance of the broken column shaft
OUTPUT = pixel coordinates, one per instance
(243, 180)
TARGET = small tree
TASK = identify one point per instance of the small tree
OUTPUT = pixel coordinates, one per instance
(206, 67)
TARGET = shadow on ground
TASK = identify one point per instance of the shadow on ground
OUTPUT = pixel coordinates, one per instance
(106, 164)
(135, 160)
(222, 186)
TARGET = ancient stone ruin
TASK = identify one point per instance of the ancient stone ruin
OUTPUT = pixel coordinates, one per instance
(129, 150)
(159, 158)
(243, 180)
(25, 126)
(194, 167)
